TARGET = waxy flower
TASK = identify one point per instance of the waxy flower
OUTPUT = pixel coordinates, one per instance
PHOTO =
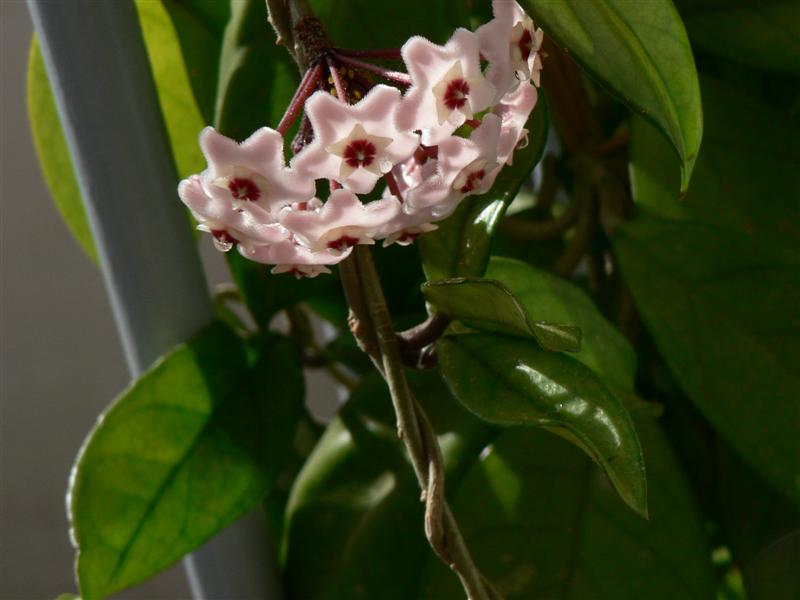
(447, 86)
(514, 110)
(248, 198)
(510, 42)
(290, 257)
(251, 174)
(354, 144)
(464, 166)
(341, 222)
(229, 226)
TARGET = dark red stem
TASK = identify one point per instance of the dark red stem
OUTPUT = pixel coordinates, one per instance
(307, 87)
(337, 80)
(394, 76)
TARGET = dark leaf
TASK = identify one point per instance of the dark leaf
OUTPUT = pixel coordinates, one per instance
(722, 308)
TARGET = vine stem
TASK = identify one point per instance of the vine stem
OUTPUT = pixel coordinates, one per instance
(394, 76)
(413, 425)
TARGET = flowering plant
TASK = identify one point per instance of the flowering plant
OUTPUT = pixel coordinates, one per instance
(536, 275)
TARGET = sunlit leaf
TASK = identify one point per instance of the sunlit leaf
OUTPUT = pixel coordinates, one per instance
(488, 305)
(191, 446)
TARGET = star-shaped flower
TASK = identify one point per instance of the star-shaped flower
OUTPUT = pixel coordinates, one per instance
(511, 43)
(447, 86)
(514, 110)
(354, 144)
(290, 257)
(464, 166)
(228, 225)
(251, 174)
(342, 222)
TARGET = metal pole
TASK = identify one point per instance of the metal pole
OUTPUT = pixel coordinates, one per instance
(105, 94)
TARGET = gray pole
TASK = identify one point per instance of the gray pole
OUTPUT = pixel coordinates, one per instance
(107, 103)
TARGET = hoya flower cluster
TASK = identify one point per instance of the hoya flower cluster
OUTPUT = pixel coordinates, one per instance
(428, 137)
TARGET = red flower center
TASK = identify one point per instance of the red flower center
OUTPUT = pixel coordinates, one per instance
(473, 181)
(359, 153)
(223, 236)
(456, 93)
(243, 188)
(343, 243)
(407, 236)
(525, 44)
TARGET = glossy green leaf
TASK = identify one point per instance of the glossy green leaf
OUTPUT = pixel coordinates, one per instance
(542, 523)
(641, 54)
(354, 517)
(553, 299)
(180, 111)
(51, 148)
(746, 176)
(763, 530)
(762, 34)
(488, 305)
(192, 445)
(509, 381)
(460, 247)
(722, 307)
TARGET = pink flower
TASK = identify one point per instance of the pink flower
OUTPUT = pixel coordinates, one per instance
(464, 166)
(290, 257)
(354, 144)
(514, 110)
(447, 86)
(228, 225)
(511, 43)
(342, 222)
(251, 174)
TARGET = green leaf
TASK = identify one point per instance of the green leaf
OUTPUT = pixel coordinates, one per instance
(722, 308)
(553, 299)
(460, 247)
(762, 528)
(51, 148)
(192, 445)
(542, 523)
(509, 381)
(547, 523)
(761, 34)
(354, 517)
(488, 305)
(642, 55)
(181, 114)
(745, 178)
